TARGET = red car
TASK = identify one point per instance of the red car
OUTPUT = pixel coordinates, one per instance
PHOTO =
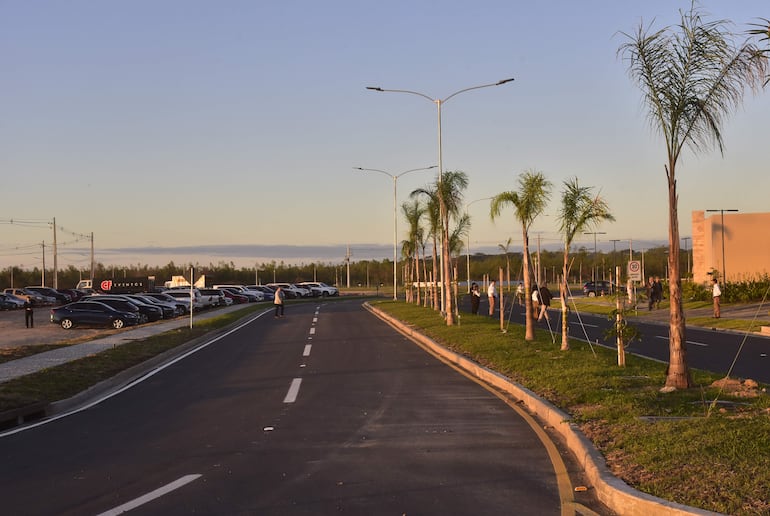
(237, 298)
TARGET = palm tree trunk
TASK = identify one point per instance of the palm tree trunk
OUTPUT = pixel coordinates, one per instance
(417, 269)
(436, 304)
(563, 294)
(529, 316)
(446, 279)
(678, 375)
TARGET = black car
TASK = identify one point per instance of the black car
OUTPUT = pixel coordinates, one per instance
(169, 309)
(91, 313)
(119, 304)
(600, 288)
(60, 297)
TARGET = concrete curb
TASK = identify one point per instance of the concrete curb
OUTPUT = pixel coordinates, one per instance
(610, 490)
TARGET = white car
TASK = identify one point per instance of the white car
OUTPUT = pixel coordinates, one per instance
(320, 288)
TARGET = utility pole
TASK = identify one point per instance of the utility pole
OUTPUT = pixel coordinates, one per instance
(614, 263)
(593, 269)
(55, 258)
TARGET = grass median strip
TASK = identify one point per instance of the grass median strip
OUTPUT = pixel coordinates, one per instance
(680, 446)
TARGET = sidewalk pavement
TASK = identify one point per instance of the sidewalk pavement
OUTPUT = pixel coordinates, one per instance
(34, 363)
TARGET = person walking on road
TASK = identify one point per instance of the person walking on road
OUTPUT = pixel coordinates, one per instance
(545, 302)
(278, 302)
(29, 315)
(491, 294)
(475, 298)
(716, 293)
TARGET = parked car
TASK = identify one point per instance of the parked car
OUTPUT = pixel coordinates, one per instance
(168, 310)
(267, 292)
(289, 290)
(91, 313)
(60, 297)
(252, 295)
(215, 296)
(121, 305)
(234, 295)
(35, 298)
(321, 289)
(600, 288)
(303, 290)
(11, 302)
(181, 306)
(183, 295)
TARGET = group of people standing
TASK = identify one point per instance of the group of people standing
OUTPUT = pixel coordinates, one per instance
(541, 298)
(654, 290)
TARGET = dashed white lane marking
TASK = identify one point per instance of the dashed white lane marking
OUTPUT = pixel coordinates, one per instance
(306, 353)
(291, 396)
(585, 324)
(687, 342)
(312, 331)
(136, 502)
(315, 320)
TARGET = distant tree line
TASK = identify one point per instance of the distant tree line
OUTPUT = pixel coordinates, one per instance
(364, 273)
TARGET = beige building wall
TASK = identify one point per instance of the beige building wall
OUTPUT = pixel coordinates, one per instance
(746, 245)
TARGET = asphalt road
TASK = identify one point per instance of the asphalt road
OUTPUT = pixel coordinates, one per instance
(326, 411)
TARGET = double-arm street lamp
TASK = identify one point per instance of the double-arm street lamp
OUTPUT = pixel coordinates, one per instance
(395, 216)
(724, 268)
(446, 297)
(468, 247)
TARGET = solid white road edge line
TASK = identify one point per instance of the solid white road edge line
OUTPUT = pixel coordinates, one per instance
(291, 396)
(131, 384)
(136, 502)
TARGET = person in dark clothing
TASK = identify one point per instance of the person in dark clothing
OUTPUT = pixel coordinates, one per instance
(657, 288)
(29, 315)
(475, 298)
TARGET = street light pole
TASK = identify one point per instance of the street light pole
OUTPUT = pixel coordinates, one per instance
(593, 269)
(395, 217)
(446, 295)
(724, 267)
(468, 247)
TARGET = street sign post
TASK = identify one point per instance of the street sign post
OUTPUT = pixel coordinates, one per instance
(635, 270)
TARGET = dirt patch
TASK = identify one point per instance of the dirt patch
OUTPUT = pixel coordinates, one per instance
(14, 333)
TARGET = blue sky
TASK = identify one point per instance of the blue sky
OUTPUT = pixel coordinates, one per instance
(219, 126)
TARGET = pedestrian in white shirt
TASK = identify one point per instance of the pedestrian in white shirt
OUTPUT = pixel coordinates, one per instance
(716, 293)
(491, 295)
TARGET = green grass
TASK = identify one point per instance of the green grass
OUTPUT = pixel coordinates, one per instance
(668, 445)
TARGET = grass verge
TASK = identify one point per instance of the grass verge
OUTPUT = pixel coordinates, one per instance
(680, 446)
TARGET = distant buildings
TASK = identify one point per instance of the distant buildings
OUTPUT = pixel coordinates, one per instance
(746, 248)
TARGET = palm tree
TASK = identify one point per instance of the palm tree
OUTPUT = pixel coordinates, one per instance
(692, 77)
(528, 203)
(449, 188)
(580, 210)
(504, 248)
(431, 207)
(413, 213)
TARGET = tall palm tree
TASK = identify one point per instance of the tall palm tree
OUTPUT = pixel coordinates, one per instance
(413, 212)
(692, 77)
(528, 203)
(448, 188)
(580, 210)
(431, 206)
